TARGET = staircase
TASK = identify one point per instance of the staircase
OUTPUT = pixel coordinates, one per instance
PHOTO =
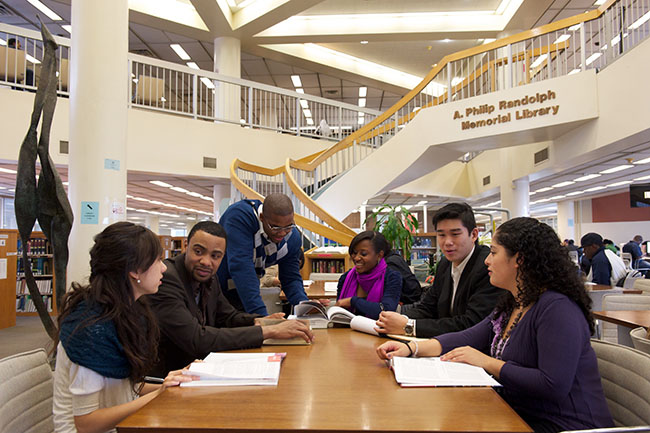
(554, 50)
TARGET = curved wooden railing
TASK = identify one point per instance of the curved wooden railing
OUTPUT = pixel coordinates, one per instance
(530, 56)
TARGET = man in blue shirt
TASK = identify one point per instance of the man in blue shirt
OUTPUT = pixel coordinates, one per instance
(606, 267)
(260, 235)
(634, 248)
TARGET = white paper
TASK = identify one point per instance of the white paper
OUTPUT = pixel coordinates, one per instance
(434, 372)
(364, 324)
(236, 369)
(331, 286)
(3, 269)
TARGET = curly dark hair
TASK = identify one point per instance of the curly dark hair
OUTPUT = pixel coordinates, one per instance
(120, 248)
(544, 264)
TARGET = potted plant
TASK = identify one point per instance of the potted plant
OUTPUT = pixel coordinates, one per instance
(397, 225)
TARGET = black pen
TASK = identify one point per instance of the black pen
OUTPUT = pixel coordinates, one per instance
(151, 379)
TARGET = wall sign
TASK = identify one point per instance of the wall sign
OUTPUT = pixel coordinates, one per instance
(89, 212)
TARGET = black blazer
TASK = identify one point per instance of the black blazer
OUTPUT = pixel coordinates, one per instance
(182, 338)
(475, 298)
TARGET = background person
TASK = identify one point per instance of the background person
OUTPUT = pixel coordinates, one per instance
(537, 340)
(194, 316)
(634, 248)
(260, 236)
(604, 267)
(107, 336)
(461, 295)
(370, 287)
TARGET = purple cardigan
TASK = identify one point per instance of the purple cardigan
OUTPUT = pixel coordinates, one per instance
(551, 370)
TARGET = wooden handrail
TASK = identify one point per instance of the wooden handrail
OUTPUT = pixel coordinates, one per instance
(371, 129)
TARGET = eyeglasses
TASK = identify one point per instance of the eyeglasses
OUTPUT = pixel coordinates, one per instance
(282, 229)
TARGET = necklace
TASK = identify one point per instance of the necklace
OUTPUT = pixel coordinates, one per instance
(497, 349)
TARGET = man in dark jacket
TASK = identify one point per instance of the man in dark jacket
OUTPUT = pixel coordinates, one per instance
(411, 288)
(461, 295)
(194, 316)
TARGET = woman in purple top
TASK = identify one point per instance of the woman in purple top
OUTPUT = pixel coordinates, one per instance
(536, 341)
(371, 286)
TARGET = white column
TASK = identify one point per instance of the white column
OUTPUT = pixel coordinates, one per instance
(152, 222)
(425, 217)
(98, 123)
(566, 220)
(221, 196)
(227, 61)
(362, 217)
(514, 196)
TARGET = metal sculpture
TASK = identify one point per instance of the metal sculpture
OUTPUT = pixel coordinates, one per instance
(46, 201)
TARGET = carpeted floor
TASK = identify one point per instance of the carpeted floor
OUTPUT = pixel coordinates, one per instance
(28, 334)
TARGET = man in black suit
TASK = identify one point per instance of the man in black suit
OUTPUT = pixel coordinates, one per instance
(461, 295)
(194, 316)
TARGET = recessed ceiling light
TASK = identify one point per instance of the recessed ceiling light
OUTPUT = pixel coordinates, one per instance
(562, 38)
(304, 103)
(558, 197)
(624, 182)
(364, 42)
(362, 102)
(446, 40)
(599, 2)
(47, 11)
(67, 28)
(208, 83)
(575, 193)
(160, 183)
(179, 189)
(642, 161)
(595, 188)
(586, 177)
(7, 170)
(640, 21)
(642, 178)
(363, 91)
(307, 113)
(193, 65)
(561, 184)
(593, 57)
(180, 51)
(295, 79)
(300, 91)
(616, 169)
(546, 188)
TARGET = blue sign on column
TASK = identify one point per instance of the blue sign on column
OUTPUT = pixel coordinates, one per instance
(89, 212)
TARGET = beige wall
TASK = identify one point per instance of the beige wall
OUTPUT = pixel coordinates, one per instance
(159, 142)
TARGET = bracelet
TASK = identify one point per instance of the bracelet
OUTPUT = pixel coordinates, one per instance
(410, 350)
(415, 354)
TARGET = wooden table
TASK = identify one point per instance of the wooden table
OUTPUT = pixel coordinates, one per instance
(337, 384)
(315, 291)
(626, 320)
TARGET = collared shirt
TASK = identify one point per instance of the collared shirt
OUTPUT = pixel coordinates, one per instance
(271, 253)
(456, 272)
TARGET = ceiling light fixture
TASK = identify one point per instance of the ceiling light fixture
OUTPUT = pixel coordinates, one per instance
(364, 42)
(295, 79)
(300, 91)
(558, 197)
(362, 102)
(616, 169)
(67, 28)
(561, 184)
(599, 2)
(586, 177)
(642, 161)
(180, 51)
(546, 188)
(178, 189)
(307, 113)
(575, 193)
(563, 38)
(193, 65)
(593, 57)
(304, 104)
(160, 183)
(539, 61)
(595, 188)
(47, 11)
(208, 83)
(363, 91)
(621, 183)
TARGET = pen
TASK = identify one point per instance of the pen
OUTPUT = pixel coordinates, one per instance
(151, 379)
(381, 306)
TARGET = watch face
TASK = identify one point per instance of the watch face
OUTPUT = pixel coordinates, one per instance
(408, 329)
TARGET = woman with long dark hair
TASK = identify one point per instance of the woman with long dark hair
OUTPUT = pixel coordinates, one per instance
(536, 342)
(108, 337)
(370, 287)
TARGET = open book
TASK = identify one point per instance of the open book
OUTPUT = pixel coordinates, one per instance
(411, 372)
(321, 318)
(236, 369)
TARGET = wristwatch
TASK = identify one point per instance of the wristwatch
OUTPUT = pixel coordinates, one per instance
(409, 328)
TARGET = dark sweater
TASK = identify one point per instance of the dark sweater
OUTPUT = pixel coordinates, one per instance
(551, 371)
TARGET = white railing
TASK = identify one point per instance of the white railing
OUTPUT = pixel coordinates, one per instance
(175, 89)
(588, 41)
(21, 54)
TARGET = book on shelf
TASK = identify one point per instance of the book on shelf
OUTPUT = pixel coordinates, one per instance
(44, 287)
(432, 372)
(321, 318)
(25, 304)
(236, 369)
(296, 341)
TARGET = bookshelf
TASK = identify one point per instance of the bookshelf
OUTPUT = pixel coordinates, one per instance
(326, 263)
(424, 246)
(178, 245)
(8, 244)
(166, 244)
(41, 261)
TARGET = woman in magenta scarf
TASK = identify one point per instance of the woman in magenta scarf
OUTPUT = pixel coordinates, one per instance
(370, 287)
